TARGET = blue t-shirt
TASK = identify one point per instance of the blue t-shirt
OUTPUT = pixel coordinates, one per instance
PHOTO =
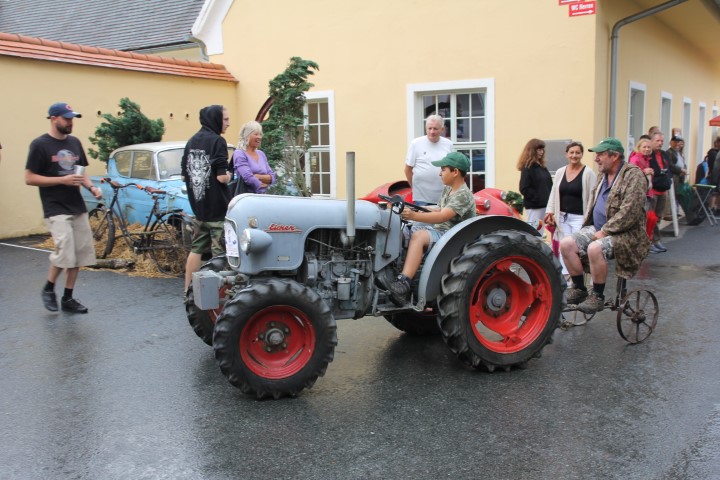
(600, 210)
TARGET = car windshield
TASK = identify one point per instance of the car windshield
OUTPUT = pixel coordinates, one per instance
(169, 162)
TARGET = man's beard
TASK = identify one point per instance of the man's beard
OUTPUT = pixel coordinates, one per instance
(66, 130)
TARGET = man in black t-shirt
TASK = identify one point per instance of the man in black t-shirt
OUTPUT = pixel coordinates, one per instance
(204, 169)
(52, 165)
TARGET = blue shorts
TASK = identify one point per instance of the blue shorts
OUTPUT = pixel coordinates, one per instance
(434, 234)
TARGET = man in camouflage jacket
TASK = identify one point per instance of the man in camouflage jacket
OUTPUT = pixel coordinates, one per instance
(613, 228)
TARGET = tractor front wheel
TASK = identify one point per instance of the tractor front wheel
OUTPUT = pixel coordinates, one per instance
(275, 338)
(203, 321)
(501, 301)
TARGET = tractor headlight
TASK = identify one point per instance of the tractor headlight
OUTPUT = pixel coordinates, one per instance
(253, 240)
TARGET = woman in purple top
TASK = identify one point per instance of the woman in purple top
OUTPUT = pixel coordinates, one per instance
(251, 163)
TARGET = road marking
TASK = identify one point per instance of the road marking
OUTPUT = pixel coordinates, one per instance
(27, 248)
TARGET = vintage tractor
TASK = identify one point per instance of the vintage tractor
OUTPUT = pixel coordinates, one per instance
(491, 287)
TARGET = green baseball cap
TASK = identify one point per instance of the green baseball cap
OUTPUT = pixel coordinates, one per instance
(455, 160)
(609, 143)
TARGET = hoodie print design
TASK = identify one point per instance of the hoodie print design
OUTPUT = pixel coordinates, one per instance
(198, 166)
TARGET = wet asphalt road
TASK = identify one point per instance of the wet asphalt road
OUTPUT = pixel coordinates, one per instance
(129, 392)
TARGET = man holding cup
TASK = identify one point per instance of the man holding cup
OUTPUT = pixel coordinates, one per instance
(56, 163)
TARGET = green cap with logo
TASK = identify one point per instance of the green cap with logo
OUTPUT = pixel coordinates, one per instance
(455, 160)
(609, 143)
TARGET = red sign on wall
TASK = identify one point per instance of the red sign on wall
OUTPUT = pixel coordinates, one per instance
(581, 8)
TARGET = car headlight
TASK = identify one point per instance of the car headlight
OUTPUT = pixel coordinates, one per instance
(254, 241)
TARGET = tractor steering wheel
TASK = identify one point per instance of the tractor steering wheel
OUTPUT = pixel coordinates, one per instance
(398, 204)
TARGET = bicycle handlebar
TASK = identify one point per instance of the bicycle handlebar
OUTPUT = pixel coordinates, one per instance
(117, 186)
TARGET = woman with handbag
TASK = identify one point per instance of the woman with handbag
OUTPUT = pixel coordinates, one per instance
(251, 166)
(662, 182)
(571, 195)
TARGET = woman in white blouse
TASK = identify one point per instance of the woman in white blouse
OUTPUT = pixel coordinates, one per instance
(571, 194)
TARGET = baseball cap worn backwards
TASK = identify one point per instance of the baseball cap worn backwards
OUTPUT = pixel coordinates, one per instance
(455, 160)
(62, 109)
(608, 144)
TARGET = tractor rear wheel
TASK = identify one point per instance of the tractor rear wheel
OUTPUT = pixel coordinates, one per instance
(203, 321)
(275, 338)
(501, 301)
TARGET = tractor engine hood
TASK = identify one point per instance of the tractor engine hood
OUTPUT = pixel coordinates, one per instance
(279, 226)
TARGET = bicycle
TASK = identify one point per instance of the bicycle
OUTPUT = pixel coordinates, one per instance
(166, 235)
(637, 313)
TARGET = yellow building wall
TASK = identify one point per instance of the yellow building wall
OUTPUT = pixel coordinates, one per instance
(653, 54)
(541, 62)
(31, 86)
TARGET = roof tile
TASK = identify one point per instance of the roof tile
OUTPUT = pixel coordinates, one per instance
(41, 49)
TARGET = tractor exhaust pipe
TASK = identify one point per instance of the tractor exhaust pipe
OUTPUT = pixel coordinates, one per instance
(350, 187)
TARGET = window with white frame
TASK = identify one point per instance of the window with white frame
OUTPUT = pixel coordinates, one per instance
(319, 162)
(665, 114)
(699, 150)
(687, 105)
(636, 114)
(466, 107)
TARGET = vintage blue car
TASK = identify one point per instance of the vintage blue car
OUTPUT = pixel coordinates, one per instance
(155, 165)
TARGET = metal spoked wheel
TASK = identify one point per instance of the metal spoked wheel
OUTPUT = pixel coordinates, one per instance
(166, 248)
(102, 226)
(637, 315)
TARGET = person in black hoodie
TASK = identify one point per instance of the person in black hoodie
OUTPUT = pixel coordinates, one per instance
(205, 169)
(535, 181)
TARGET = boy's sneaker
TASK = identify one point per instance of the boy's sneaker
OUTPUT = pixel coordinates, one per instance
(399, 289)
(50, 300)
(573, 296)
(592, 304)
(73, 306)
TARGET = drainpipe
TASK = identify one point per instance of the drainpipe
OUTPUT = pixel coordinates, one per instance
(614, 52)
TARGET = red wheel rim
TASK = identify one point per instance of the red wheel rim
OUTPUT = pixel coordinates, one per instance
(510, 304)
(277, 342)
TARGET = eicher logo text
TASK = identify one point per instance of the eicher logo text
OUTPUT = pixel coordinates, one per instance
(277, 227)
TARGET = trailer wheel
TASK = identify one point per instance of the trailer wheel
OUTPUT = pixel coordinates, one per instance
(415, 323)
(501, 301)
(275, 338)
(203, 321)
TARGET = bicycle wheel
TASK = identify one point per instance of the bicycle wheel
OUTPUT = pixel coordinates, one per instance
(166, 248)
(102, 226)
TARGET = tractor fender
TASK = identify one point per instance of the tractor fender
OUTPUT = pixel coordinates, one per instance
(451, 244)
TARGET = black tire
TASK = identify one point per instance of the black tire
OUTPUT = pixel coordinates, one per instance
(501, 301)
(275, 338)
(415, 323)
(203, 321)
(166, 248)
(102, 226)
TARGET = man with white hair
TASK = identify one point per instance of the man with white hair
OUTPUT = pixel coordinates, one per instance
(423, 176)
